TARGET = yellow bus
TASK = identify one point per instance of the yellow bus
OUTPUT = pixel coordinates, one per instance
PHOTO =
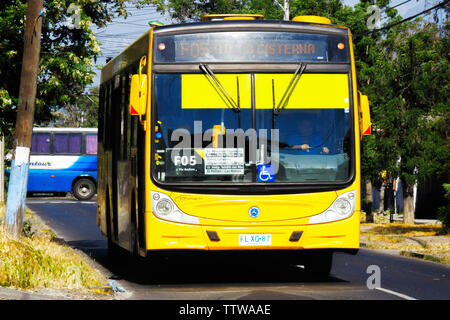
(234, 134)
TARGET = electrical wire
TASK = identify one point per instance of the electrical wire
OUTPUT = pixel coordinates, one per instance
(442, 4)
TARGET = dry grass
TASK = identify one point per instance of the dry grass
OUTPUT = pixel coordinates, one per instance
(407, 230)
(426, 240)
(37, 261)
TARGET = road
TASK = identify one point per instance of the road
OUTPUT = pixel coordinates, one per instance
(369, 275)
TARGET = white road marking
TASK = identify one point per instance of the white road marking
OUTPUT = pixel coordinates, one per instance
(401, 295)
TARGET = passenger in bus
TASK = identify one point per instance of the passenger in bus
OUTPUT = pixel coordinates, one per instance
(307, 139)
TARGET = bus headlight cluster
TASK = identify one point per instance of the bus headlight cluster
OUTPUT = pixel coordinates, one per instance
(163, 207)
(343, 207)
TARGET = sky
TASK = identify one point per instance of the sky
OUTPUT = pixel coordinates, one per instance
(120, 33)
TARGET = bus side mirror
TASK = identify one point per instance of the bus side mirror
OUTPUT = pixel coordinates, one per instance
(365, 125)
(138, 95)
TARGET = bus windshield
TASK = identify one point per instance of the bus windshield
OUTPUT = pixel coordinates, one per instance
(202, 137)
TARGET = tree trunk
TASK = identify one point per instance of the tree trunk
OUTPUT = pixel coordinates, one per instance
(381, 205)
(408, 208)
(369, 200)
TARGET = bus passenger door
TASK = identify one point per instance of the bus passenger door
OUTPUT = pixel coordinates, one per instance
(121, 164)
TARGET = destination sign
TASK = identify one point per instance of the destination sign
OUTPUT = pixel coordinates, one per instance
(250, 47)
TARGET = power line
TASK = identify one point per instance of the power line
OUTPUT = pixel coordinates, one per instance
(398, 5)
(442, 4)
(128, 23)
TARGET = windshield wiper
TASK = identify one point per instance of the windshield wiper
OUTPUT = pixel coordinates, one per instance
(207, 70)
(290, 88)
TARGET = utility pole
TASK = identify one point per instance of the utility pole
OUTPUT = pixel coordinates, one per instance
(17, 189)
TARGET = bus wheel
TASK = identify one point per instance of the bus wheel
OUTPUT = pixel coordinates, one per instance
(83, 189)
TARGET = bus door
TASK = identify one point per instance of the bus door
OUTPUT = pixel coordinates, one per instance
(121, 164)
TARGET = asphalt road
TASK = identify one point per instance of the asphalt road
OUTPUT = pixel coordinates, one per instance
(369, 275)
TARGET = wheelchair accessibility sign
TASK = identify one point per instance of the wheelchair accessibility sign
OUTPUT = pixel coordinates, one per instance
(266, 173)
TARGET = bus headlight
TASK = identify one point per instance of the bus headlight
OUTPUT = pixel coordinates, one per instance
(163, 207)
(343, 207)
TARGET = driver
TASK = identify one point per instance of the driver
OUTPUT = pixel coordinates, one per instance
(306, 138)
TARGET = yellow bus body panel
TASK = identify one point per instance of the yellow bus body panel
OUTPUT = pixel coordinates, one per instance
(307, 93)
(235, 208)
(210, 97)
(162, 234)
(313, 91)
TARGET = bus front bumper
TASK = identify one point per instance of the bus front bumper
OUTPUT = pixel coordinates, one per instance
(166, 235)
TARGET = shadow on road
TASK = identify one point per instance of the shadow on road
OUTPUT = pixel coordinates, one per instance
(237, 269)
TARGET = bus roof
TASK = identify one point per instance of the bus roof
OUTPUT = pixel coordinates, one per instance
(51, 129)
(246, 25)
(139, 47)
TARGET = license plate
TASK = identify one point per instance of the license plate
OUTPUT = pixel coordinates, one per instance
(255, 239)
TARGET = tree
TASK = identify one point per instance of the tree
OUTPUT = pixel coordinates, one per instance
(412, 107)
(82, 114)
(68, 47)
(59, 65)
(184, 10)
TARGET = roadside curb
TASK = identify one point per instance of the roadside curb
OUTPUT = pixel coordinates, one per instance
(8, 293)
(403, 253)
(422, 256)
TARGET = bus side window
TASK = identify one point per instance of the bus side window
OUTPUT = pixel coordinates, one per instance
(40, 143)
(91, 144)
(67, 143)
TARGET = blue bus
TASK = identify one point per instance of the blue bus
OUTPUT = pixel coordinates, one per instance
(64, 160)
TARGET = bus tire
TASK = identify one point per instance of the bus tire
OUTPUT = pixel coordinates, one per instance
(113, 249)
(134, 245)
(84, 189)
